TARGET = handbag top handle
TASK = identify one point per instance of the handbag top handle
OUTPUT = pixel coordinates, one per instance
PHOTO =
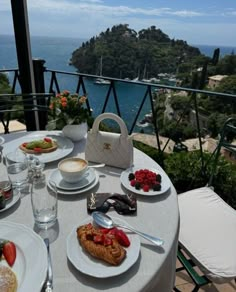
(123, 128)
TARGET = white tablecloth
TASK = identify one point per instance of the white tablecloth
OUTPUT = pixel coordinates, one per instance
(156, 215)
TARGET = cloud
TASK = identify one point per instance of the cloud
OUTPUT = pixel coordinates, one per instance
(96, 6)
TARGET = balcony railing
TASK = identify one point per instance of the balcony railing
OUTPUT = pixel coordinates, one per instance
(112, 99)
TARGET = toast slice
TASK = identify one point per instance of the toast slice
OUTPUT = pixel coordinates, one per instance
(45, 145)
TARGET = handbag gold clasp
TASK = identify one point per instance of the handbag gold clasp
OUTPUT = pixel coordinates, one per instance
(107, 146)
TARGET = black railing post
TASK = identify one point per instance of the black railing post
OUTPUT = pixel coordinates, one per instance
(39, 70)
(23, 48)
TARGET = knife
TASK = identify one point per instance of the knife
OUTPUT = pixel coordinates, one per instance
(48, 286)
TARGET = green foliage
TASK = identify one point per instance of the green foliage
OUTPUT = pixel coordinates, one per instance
(185, 171)
(126, 53)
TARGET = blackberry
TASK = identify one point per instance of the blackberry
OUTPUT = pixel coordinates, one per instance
(137, 186)
(131, 176)
(158, 177)
(156, 187)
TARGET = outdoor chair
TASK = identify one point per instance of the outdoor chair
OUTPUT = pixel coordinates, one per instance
(207, 237)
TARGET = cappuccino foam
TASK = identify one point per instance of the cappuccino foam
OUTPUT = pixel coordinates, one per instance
(72, 165)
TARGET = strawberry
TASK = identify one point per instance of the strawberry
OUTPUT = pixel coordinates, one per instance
(9, 252)
(38, 149)
(122, 238)
(104, 230)
(98, 239)
(46, 139)
(107, 241)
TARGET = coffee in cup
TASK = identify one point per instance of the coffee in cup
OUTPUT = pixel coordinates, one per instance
(72, 169)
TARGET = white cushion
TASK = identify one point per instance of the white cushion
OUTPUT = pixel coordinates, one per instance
(208, 233)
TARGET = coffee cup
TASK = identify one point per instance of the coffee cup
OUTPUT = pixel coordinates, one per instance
(72, 169)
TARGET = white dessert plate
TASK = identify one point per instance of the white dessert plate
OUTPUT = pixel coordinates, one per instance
(65, 146)
(11, 202)
(165, 182)
(78, 191)
(30, 265)
(87, 179)
(97, 268)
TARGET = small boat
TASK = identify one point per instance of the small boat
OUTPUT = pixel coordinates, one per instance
(102, 81)
(99, 80)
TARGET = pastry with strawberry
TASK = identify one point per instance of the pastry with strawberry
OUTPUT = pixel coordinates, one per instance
(103, 243)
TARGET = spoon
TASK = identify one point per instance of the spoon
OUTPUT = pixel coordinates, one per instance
(105, 221)
(96, 165)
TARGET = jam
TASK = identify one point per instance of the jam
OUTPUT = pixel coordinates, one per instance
(6, 189)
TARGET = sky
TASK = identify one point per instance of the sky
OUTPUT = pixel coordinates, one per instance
(208, 22)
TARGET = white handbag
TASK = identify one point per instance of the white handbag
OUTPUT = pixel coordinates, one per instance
(110, 148)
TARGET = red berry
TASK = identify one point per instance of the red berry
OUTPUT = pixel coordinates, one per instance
(133, 182)
(146, 188)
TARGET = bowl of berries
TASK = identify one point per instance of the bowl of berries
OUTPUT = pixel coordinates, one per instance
(145, 181)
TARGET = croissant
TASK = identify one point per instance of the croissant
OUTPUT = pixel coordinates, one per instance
(112, 252)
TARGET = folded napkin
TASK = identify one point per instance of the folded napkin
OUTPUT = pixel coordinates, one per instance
(123, 204)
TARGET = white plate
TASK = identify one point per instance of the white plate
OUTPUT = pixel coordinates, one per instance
(65, 146)
(79, 191)
(87, 179)
(97, 268)
(165, 182)
(2, 140)
(12, 202)
(30, 266)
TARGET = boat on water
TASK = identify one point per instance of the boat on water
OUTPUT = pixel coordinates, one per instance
(100, 80)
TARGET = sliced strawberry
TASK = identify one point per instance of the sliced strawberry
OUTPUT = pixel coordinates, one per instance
(9, 252)
(104, 230)
(107, 241)
(38, 149)
(98, 238)
(46, 139)
(112, 231)
(122, 238)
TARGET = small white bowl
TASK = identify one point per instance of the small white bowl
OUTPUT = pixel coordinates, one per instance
(72, 169)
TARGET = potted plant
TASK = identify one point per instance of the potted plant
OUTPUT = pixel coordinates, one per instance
(69, 114)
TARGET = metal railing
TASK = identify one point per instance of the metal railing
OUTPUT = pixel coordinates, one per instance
(111, 93)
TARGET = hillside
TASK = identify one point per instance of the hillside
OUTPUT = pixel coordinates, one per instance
(129, 54)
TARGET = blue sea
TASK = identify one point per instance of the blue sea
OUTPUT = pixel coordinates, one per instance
(57, 53)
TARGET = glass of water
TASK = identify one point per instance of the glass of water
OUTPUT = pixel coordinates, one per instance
(44, 203)
(17, 168)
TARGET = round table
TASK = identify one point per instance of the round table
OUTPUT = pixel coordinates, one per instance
(156, 215)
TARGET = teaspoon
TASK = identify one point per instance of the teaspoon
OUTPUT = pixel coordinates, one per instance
(96, 165)
(105, 221)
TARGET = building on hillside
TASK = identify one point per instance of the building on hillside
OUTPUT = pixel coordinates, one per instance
(215, 80)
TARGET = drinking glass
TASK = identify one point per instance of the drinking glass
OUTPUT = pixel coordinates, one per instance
(44, 203)
(17, 168)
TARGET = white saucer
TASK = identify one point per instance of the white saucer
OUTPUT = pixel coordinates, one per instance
(78, 191)
(87, 179)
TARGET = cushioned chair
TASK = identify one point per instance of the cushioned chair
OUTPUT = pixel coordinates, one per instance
(207, 237)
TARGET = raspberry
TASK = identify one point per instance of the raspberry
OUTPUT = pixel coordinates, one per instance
(133, 182)
(146, 188)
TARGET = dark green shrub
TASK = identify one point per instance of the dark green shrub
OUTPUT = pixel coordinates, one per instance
(186, 172)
